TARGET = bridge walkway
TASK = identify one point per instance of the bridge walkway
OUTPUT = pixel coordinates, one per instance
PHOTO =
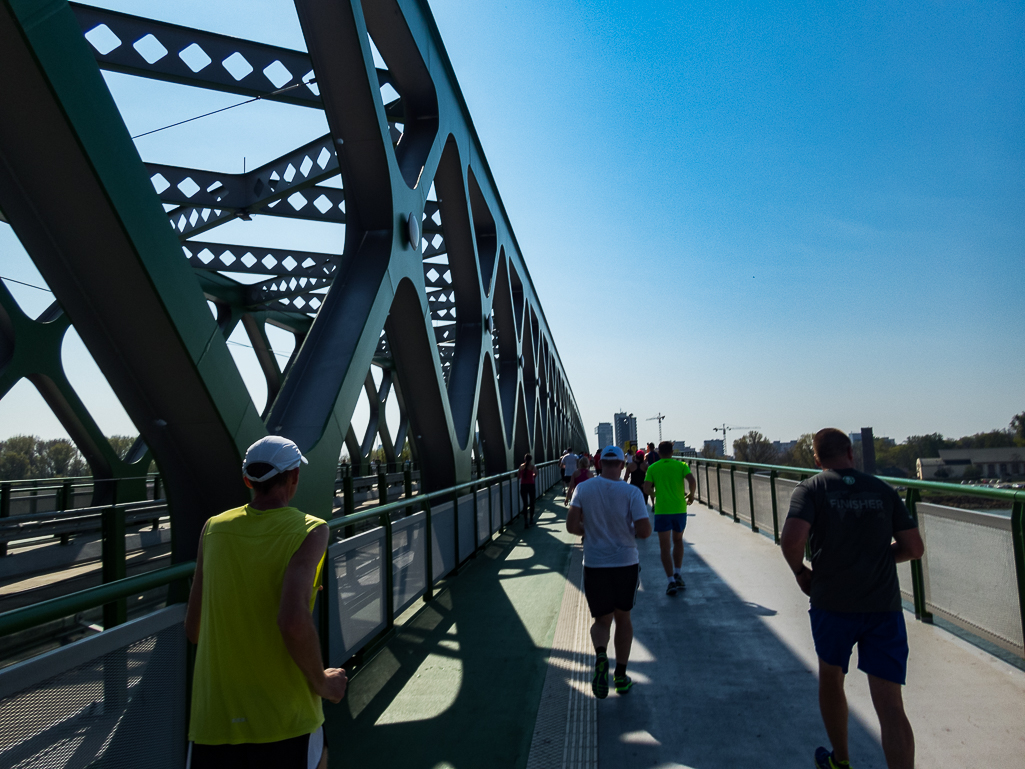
(494, 672)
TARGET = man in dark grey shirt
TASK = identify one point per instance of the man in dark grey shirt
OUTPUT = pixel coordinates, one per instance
(850, 520)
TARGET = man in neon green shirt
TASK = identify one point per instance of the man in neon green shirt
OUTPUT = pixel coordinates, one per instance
(665, 478)
(259, 677)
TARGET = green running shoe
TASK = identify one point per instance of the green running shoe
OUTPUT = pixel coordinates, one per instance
(600, 682)
(824, 760)
(623, 683)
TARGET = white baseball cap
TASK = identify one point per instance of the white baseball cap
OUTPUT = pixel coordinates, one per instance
(612, 452)
(280, 453)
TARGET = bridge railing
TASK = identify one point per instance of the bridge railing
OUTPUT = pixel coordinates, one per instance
(973, 570)
(121, 695)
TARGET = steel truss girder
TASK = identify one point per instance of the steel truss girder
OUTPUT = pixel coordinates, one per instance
(465, 351)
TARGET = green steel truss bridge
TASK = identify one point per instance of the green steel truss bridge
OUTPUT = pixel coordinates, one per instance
(428, 282)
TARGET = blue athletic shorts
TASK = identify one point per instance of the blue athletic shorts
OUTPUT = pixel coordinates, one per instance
(670, 521)
(881, 636)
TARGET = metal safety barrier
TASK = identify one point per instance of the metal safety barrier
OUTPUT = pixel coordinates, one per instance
(119, 697)
(973, 570)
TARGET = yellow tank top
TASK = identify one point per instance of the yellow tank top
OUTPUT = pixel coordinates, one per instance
(246, 687)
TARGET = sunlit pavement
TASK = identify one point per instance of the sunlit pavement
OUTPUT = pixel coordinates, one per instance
(724, 671)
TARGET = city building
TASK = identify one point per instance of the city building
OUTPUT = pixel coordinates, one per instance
(782, 447)
(682, 449)
(715, 447)
(973, 463)
(625, 428)
(605, 436)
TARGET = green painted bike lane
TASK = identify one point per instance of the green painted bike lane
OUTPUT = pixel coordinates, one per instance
(458, 685)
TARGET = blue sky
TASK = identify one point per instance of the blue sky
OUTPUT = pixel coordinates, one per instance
(783, 215)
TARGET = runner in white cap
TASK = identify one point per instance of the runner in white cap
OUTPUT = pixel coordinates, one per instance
(613, 516)
(259, 677)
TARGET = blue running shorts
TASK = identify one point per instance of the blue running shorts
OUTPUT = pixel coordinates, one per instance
(881, 636)
(670, 521)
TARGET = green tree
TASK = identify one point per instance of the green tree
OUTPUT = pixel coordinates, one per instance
(19, 458)
(754, 447)
(122, 444)
(1018, 428)
(59, 458)
(802, 454)
(972, 473)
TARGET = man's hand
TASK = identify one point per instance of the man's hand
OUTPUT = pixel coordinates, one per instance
(690, 498)
(332, 686)
(804, 580)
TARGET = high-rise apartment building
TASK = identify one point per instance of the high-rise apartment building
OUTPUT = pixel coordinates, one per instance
(604, 431)
(626, 428)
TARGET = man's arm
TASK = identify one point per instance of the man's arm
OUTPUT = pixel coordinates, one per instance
(693, 485)
(792, 542)
(575, 520)
(649, 489)
(296, 623)
(642, 528)
(195, 605)
(909, 545)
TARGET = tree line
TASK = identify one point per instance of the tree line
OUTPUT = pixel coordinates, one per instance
(892, 458)
(29, 456)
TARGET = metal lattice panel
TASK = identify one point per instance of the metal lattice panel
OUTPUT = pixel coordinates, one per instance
(427, 283)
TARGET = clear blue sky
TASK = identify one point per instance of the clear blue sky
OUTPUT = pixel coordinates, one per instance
(783, 215)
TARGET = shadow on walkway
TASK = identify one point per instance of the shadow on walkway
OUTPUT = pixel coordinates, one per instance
(459, 685)
(715, 687)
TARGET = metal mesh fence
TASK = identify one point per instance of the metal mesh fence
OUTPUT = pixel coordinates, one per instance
(466, 543)
(743, 499)
(713, 489)
(763, 503)
(113, 700)
(409, 560)
(443, 538)
(727, 490)
(356, 590)
(784, 490)
(969, 572)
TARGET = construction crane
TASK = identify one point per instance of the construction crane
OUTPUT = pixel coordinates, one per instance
(658, 417)
(725, 427)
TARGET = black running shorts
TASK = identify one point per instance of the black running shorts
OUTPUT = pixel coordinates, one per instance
(610, 589)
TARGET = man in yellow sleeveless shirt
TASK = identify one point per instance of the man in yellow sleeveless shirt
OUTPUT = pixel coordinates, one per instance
(259, 677)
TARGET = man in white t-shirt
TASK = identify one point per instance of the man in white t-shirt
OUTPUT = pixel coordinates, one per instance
(613, 516)
(568, 466)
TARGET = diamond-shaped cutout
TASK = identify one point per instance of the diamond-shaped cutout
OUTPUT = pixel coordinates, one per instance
(195, 58)
(323, 158)
(159, 183)
(310, 81)
(205, 256)
(277, 73)
(297, 201)
(194, 217)
(447, 276)
(188, 187)
(432, 275)
(323, 204)
(227, 258)
(150, 49)
(307, 262)
(388, 93)
(248, 259)
(103, 39)
(237, 65)
(269, 262)
(289, 174)
(305, 166)
(299, 302)
(314, 302)
(288, 263)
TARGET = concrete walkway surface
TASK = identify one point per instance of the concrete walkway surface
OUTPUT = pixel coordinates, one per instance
(495, 671)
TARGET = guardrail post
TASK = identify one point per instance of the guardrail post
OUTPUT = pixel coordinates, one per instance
(751, 496)
(388, 565)
(718, 487)
(5, 509)
(917, 574)
(114, 566)
(733, 492)
(348, 501)
(501, 504)
(1018, 543)
(775, 506)
(455, 527)
(156, 487)
(382, 486)
(476, 520)
(407, 485)
(428, 549)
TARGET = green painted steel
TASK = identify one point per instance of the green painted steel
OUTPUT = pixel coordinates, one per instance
(82, 202)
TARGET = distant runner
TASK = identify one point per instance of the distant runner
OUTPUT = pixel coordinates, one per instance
(567, 464)
(614, 516)
(664, 483)
(528, 489)
(851, 520)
